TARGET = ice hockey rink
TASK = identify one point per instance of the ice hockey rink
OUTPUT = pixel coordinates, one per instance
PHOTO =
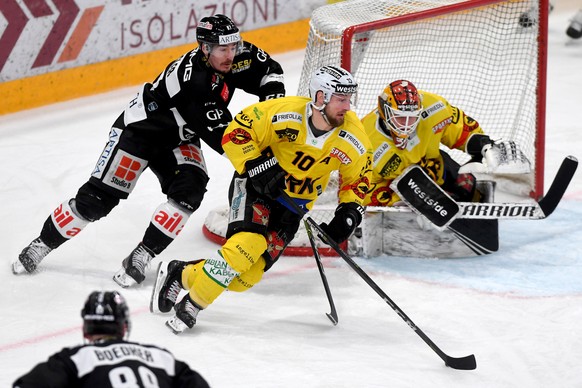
(519, 311)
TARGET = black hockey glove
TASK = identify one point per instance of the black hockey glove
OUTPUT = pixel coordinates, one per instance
(476, 144)
(272, 86)
(266, 175)
(347, 217)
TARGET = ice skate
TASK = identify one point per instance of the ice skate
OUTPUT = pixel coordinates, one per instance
(30, 257)
(167, 286)
(185, 318)
(133, 267)
(574, 30)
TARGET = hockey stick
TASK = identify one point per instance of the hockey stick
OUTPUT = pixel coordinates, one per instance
(332, 315)
(422, 199)
(464, 363)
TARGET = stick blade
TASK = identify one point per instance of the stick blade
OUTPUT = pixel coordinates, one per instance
(462, 363)
(333, 317)
(558, 187)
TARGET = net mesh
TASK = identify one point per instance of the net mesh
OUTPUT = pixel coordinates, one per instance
(479, 59)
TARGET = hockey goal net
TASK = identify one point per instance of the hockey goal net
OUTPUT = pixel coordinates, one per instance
(474, 53)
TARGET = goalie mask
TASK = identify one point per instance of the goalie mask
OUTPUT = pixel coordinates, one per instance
(331, 80)
(217, 30)
(399, 106)
(105, 314)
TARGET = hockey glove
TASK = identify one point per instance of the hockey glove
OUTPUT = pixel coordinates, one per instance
(272, 86)
(503, 157)
(347, 217)
(266, 175)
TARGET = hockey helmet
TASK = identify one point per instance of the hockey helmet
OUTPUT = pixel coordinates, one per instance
(331, 80)
(105, 313)
(400, 106)
(217, 30)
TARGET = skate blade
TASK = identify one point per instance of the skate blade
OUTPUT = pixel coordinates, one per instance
(18, 268)
(123, 279)
(161, 276)
(176, 325)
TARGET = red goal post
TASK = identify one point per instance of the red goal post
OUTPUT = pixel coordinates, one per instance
(474, 53)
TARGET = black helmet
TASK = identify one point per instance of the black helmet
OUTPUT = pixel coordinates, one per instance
(105, 312)
(217, 30)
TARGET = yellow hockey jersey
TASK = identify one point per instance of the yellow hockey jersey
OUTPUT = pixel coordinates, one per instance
(440, 123)
(282, 125)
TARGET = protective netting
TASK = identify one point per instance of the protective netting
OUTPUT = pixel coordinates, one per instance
(480, 59)
(474, 53)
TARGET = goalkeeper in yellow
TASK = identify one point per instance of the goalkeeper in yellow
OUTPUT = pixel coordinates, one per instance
(408, 128)
(291, 144)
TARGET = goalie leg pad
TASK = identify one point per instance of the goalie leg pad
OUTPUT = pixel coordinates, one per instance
(425, 197)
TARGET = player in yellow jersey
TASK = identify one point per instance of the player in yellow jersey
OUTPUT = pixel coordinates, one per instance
(291, 144)
(408, 128)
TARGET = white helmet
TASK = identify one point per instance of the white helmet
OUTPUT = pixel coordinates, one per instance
(331, 80)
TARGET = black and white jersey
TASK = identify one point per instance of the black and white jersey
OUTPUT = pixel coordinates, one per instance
(189, 99)
(112, 364)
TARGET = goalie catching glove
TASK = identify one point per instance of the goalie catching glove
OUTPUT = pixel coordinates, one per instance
(347, 217)
(502, 157)
(266, 175)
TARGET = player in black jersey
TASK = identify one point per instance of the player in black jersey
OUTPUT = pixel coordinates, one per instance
(108, 359)
(161, 128)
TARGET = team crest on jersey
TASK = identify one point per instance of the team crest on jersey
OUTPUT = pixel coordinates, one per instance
(469, 124)
(353, 141)
(340, 155)
(239, 136)
(392, 165)
(361, 187)
(381, 196)
(456, 115)
(288, 133)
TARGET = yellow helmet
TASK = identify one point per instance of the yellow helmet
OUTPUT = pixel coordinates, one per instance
(400, 106)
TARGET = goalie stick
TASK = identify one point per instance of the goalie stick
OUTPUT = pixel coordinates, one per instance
(463, 363)
(426, 198)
